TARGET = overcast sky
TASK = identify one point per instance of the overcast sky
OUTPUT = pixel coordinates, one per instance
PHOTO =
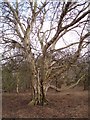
(68, 38)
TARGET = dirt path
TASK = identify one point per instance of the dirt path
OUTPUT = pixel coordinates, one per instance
(62, 105)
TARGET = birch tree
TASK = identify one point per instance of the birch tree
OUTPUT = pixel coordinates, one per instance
(32, 29)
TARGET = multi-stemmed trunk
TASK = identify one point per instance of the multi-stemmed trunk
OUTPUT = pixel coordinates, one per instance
(38, 90)
(39, 95)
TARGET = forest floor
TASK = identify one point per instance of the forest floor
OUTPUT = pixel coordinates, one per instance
(69, 104)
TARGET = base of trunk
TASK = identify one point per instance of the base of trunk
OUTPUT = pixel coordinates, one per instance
(38, 102)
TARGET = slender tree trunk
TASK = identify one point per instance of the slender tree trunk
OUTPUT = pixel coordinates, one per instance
(17, 88)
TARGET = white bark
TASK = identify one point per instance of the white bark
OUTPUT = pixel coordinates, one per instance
(17, 85)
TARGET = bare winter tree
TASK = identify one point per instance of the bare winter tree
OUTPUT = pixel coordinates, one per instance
(32, 30)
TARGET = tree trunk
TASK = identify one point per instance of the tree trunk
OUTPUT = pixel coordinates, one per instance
(17, 85)
(39, 94)
(37, 78)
